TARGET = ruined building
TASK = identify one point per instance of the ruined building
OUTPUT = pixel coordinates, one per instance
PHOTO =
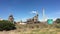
(11, 19)
(33, 20)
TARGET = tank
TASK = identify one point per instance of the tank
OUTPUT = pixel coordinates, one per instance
(50, 21)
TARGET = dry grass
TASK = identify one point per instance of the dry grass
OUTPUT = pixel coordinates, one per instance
(33, 29)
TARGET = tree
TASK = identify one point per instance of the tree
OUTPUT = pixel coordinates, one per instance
(58, 20)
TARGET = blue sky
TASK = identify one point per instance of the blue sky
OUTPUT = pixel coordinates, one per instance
(21, 9)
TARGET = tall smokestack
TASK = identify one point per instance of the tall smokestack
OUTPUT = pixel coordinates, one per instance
(43, 12)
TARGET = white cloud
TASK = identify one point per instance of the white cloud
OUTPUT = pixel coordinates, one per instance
(33, 12)
(54, 19)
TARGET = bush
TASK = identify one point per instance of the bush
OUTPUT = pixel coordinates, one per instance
(58, 20)
(58, 23)
(6, 25)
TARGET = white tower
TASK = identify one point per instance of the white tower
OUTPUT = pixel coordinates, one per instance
(43, 12)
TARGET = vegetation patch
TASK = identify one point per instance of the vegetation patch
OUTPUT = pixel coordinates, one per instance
(6, 25)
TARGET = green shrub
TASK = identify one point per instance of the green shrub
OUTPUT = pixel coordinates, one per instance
(58, 23)
(58, 20)
(6, 25)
